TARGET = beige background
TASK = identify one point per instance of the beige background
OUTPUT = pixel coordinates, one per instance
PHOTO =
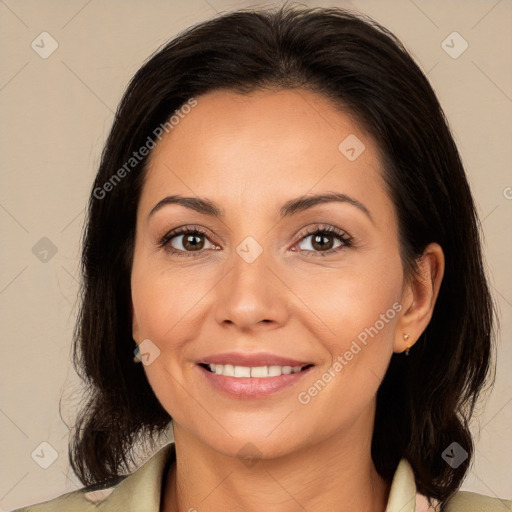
(56, 113)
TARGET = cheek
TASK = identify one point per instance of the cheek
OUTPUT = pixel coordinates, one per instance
(167, 311)
(163, 308)
(353, 299)
(359, 310)
(345, 388)
(163, 300)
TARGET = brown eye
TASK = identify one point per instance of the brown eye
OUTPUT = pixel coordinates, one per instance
(324, 241)
(193, 242)
(185, 241)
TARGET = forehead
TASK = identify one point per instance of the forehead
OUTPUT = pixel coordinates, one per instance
(263, 148)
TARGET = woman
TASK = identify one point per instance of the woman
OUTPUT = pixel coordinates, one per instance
(282, 229)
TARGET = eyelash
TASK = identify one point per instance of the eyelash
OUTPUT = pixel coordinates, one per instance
(346, 240)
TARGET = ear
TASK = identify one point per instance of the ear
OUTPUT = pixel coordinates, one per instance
(419, 297)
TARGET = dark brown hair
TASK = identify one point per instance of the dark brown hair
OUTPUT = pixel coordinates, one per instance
(426, 400)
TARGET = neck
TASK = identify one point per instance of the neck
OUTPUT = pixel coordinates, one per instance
(337, 474)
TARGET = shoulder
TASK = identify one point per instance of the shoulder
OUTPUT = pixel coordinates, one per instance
(403, 491)
(133, 493)
(465, 501)
(81, 500)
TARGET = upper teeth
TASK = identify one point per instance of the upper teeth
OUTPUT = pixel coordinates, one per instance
(230, 370)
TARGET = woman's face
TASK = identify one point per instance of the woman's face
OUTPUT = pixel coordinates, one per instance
(258, 288)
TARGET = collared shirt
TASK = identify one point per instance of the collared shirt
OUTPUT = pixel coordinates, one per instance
(141, 492)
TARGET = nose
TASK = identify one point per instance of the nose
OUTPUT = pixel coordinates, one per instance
(252, 296)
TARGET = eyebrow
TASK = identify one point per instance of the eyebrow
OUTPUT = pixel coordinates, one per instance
(291, 207)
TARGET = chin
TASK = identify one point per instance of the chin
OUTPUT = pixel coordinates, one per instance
(254, 440)
(253, 448)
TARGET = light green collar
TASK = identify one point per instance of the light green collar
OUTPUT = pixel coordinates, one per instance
(142, 489)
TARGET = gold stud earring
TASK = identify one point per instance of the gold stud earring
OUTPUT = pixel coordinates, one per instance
(406, 337)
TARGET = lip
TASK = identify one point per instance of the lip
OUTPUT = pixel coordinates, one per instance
(259, 359)
(252, 387)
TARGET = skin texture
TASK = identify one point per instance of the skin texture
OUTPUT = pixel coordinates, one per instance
(250, 154)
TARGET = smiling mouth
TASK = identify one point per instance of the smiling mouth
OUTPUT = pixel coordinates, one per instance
(229, 370)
